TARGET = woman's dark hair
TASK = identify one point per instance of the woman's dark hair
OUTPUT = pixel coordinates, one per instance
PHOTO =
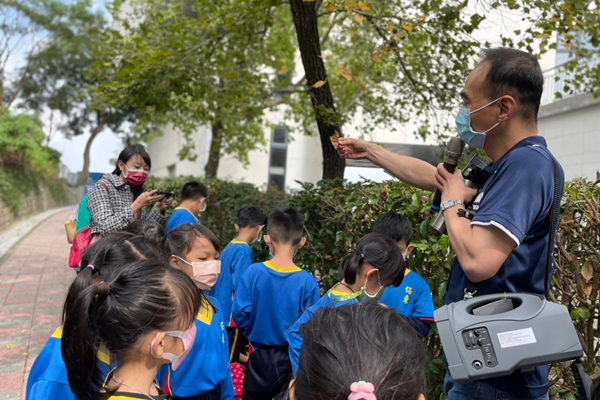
(378, 346)
(139, 298)
(150, 230)
(125, 155)
(101, 259)
(180, 240)
(378, 251)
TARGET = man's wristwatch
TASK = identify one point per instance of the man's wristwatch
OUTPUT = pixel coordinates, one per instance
(450, 203)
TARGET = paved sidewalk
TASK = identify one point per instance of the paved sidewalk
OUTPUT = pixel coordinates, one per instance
(34, 278)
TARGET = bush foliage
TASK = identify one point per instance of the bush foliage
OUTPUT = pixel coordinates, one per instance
(339, 213)
(25, 162)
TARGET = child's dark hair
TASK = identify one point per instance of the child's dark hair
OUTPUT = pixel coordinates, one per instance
(150, 230)
(180, 240)
(395, 226)
(378, 251)
(250, 217)
(285, 225)
(139, 298)
(193, 191)
(378, 346)
(101, 259)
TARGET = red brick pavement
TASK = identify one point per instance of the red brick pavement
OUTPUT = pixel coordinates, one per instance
(34, 279)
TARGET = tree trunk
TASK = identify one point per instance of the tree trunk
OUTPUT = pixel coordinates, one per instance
(85, 171)
(212, 166)
(307, 30)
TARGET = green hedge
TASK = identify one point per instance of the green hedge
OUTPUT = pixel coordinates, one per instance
(339, 213)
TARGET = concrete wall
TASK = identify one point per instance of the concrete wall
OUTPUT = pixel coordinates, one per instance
(37, 202)
(572, 129)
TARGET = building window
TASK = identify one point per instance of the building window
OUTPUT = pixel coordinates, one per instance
(278, 157)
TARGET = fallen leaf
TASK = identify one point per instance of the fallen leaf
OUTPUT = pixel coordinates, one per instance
(407, 27)
(330, 7)
(335, 140)
(586, 287)
(376, 58)
(25, 354)
(11, 346)
(587, 271)
(318, 84)
(363, 6)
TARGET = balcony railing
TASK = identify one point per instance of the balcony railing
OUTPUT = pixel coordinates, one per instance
(558, 83)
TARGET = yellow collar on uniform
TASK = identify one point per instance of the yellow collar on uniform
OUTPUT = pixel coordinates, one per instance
(274, 267)
(205, 315)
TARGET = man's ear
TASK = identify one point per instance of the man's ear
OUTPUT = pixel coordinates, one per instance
(302, 243)
(174, 261)
(156, 344)
(507, 106)
(237, 228)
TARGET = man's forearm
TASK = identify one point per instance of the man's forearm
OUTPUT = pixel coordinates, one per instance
(410, 170)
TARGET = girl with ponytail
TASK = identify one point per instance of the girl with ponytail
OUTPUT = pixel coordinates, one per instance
(144, 315)
(376, 263)
(48, 375)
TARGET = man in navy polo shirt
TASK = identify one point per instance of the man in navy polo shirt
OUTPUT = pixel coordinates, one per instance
(504, 247)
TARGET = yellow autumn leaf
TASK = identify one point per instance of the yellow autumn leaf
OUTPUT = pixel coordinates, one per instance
(358, 18)
(407, 27)
(363, 6)
(553, 19)
(283, 71)
(11, 346)
(309, 1)
(586, 287)
(376, 58)
(330, 7)
(543, 36)
(363, 86)
(351, 5)
(344, 72)
(318, 84)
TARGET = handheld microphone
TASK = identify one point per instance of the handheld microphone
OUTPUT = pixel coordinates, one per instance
(454, 150)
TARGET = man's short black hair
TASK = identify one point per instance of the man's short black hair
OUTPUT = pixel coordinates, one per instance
(516, 73)
(395, 226)
(286, 225)
(193, 191)
(250, 217)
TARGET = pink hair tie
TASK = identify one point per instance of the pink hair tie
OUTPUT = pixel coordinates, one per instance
(90, 266)
(362, 390)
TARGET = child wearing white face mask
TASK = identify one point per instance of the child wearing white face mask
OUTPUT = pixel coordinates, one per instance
(236, 257)
(144, 313)
(413, 297)
(375, 264)
(205, 373)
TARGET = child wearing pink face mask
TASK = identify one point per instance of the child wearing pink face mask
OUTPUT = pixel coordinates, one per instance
(119, 198)
(205, 373)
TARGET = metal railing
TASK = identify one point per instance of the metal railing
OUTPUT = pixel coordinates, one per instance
(558, 83)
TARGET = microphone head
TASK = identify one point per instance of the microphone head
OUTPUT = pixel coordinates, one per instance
(455, 147)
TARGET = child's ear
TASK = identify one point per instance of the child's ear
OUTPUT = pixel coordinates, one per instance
(237, 228)
(409, 249)
(155, 343)
(173, 261)
(267, 240)
(302, 243)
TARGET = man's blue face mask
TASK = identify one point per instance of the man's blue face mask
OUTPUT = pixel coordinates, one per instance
(463, 126)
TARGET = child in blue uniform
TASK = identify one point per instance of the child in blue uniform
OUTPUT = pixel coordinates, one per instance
(360, 352)
(144, 314)
(205, 373)
(270, 297)
(193, 202)
(413, 298)
(48, 375)
(236, 257)
(375, 264)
